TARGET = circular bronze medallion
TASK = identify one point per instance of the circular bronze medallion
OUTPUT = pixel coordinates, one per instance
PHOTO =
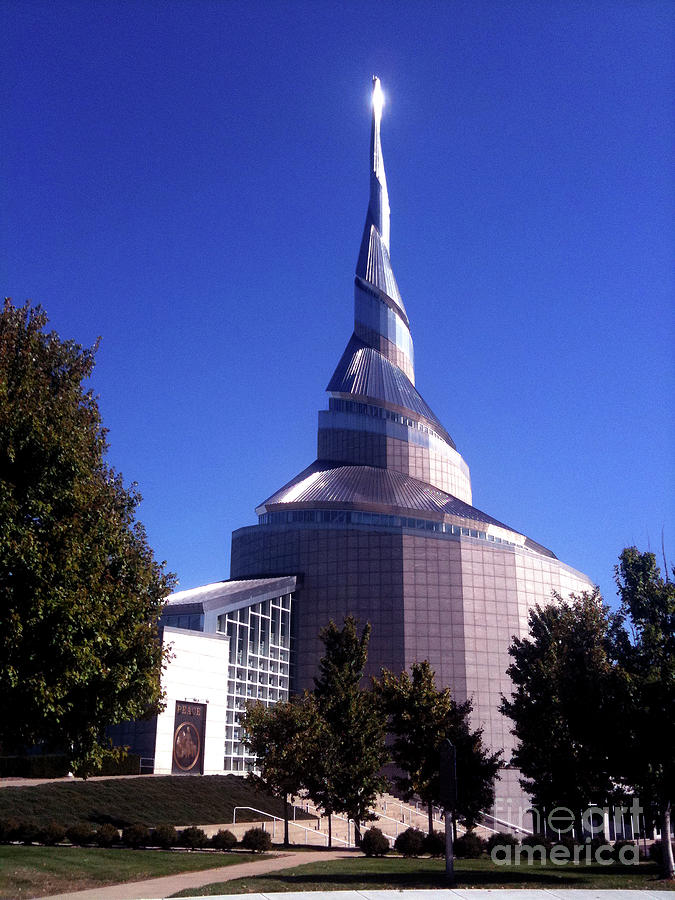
(186, 746)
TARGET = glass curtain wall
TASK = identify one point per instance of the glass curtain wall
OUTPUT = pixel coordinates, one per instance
(260, 647)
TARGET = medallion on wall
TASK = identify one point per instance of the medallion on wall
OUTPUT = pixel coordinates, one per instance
(188, 738)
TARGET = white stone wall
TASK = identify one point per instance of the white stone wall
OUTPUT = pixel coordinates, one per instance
(197, 672)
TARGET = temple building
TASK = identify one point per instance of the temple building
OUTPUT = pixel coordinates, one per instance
(381, 526)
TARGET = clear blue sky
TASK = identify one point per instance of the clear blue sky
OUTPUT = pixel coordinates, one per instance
(189, 181)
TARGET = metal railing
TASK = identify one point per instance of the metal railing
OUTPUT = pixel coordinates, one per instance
(276, 819)
(519, 828)
(410, 809)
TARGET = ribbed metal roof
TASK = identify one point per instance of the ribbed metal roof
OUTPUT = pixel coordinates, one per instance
(364, 372)
(233, 592)
(374, 266)
(323, 483)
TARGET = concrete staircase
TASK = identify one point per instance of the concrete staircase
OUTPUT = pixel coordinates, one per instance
(393, 817)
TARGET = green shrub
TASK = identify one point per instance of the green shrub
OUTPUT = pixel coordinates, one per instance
(107, 835)
(469, 846)
(632, 856)
(410, 842)
(501, 839)
(51, 833)
(257, 840)
(374, 843)
(136, 836)
(223, 840)
(27, 833)
(125, 765)
(537, 840)
(164, 836)
(656, 852)
(47, 766)
(434, 843)
(598, 842)
(566, 841)
(81, 834)
(193, 838)
(8, 830)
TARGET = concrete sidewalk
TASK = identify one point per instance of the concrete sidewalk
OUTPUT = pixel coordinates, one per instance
(457, 894)
(154, 888)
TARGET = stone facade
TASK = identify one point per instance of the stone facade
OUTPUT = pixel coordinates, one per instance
(454, 600)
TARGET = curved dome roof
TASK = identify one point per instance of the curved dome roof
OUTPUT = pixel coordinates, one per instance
(324, 483)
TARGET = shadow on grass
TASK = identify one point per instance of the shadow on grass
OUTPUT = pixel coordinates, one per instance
(406, 880)
(524, 876)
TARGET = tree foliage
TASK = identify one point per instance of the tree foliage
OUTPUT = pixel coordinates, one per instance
(593, 705)
(420, 717)
(646, 655)
(283, 738)
(564, 703)
(80, 591)
(344, 776)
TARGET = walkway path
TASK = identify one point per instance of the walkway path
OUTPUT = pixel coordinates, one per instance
(170, 884)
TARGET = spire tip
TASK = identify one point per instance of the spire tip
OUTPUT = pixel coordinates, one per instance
(378, 97)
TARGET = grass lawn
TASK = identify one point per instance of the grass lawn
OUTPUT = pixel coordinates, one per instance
(161, 800)
(361, 873)
(36, 871)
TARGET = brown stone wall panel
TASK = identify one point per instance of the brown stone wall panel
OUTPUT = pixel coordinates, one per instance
(372, 449)
(457, 603)
(433, 609)
(366, 583)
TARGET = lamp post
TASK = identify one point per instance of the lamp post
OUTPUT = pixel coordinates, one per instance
(448, 771)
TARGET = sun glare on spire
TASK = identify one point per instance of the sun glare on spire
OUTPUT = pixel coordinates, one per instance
(378, 98)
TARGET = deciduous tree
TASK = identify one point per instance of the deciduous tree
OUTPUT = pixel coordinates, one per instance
(283, 739)
(647, 657)
(80, 591)
(564, 703)
(420, 717)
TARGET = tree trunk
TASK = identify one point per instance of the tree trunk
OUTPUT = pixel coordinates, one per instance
(286, 841)
(357, 832)
(430, 810)
(667, 868)
(454, 826)
(330, 829)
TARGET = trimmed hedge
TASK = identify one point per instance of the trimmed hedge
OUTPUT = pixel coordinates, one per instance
(8, 830)
(164, 836)
(47, 766)
(53, 765)
(106, 835)
(537, 840)
(81, 834)
(501, 839)
(52, 833)
(469, 846)
(127, 765)
(223, 840)
(374, 843)
(257, 840)
(136, 836)
(28, 833)
(566, 841)
(434, 843)
(656, 852)
(620, 845)
(410, 842)
(193, 838)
